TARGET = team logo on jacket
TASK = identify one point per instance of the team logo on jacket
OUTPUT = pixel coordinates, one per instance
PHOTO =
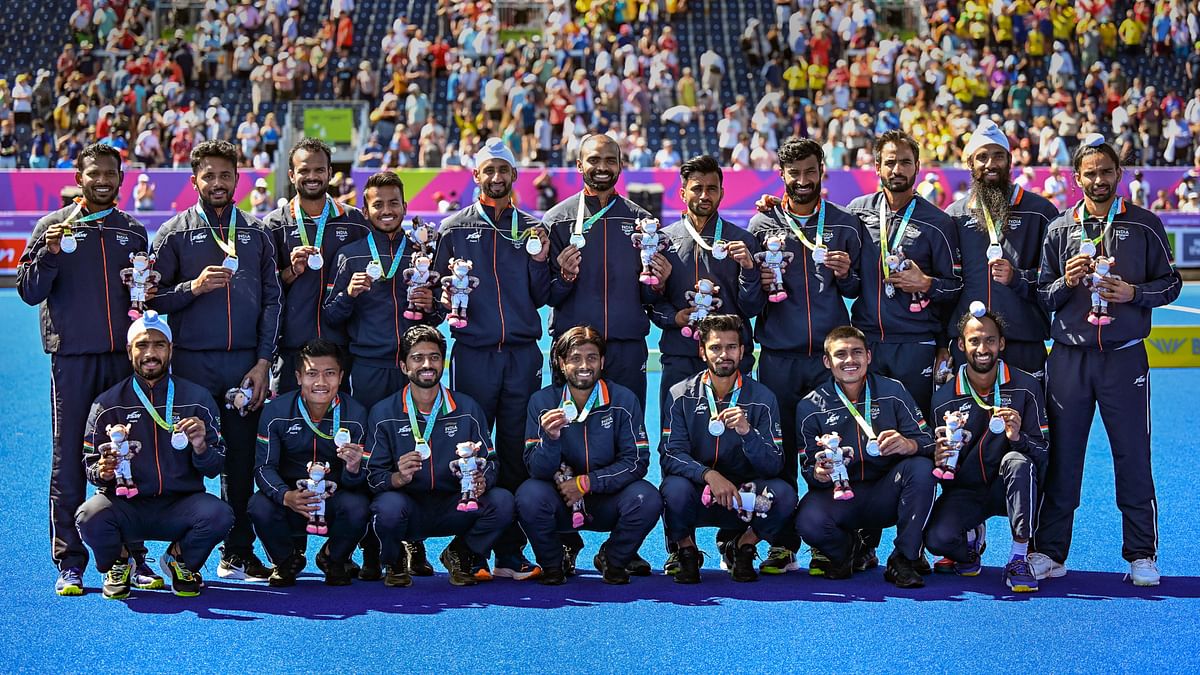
(341, 233)
(451, 429)
(833, 419)
(702, 409)
(80, 235)
(133, 416)
(475, 236)
(293, 430)
(404, 430)
(1121, 233)
(1006, 400)
(965, 407)
(1140, 381)
(122, 238)
(1014, 223)
(199, 236)
(606, 421)
(243, 237)
(627, 229)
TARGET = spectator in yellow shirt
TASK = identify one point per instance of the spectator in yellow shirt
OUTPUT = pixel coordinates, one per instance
(816, 76)
(1108, 38)
(1035, 48)
(797, 79)
(1131, 33)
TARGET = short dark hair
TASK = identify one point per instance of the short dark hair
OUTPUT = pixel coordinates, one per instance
(1085, 150)
(844, 333)
(223, 149)
(574, 337)
(317, 348)
(384, 179)
(797, 148)
(98, 150)
(898, 138)
(421, 333)
(719, 323)
(997, 319)
(703, 165)
(312, 146)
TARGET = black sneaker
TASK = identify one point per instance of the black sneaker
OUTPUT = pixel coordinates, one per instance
(610, 574)
(638, 567)
(552, 576)
(922, 566)
(117, 581)
(322, 561)
(865, 558)
(838, 571)
(371, 569)
(184, 582)
(418, 562)
(144, 576)
(286, 571)
(743, 562)
(902, 572)
(819, 564)
(690, 561)
(337, 574)
(571, 549)
(457, 559)
(243, 566)
(671, 566)
(397, 576)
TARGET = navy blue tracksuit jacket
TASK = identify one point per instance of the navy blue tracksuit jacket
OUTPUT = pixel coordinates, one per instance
(286, 445)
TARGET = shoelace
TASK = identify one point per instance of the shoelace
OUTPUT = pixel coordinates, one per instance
(1019, 567)
(182, 572)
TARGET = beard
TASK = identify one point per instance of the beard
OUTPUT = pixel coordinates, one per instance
(993, 198)
(796, 197)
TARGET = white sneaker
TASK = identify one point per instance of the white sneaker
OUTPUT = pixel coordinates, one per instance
(1144, 572)
(1044, 567)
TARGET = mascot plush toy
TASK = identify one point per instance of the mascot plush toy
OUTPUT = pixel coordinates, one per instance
(749, 502)
(1099, 315)
(837, 454)
(459, 284)
(418, 276)
(124, 450)
(137, 278)
(578, 513)
(648, 241)
(704, 301)
(238, 398)
(422, 234)
(896, 262)
(956, 436)
(467, 467)
(323, 489)
(776, 260)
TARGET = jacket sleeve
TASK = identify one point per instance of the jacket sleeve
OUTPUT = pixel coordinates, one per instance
(677, 459)
(543, 455)
(491, 470)
(380, 444)
(633, 455)
(93, 437)
(764, 444)
(808, 428)
(213, 460)
(339, 305)
(272, 301)
(1034, 440)
(910, 423)
(947, 267)
(1053, 290)
(38, 267)
(1164, 283)
(267, 451)
(356, 436)
(560, 289)
(174, 293)
(751, 297)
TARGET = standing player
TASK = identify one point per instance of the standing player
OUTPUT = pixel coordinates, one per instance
(497, 354)
(220, 290)
(72, 268)
(910, 275)
(825, 242)
(1098, 362)
(999, 465)
(595, 266)
(308, 232)
(1000, 228)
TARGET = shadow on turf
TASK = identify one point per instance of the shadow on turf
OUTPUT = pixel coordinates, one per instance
(310, 599)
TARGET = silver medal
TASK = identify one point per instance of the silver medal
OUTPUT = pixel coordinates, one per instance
(716, 427)
(230, 263)
(994, 253)
(424, 451)
(578, 241)
(374, 270)
(570, 411)
(818, 254)
(1087, 248)
(533, 246)
(872, 448)
(68, 243)
(996, 425)
(342, 437)
(720, 251)
(316, 261)
(179, 440)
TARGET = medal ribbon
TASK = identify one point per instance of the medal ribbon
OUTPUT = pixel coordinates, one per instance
(884, 248)
(337, 418)
(592, 400)
(395, 259)
(168, 424)
(1080, 212)
(863, 423)
(712, 401)
(582, 226)
(687, 225)
(298, 215)
(73, 219)
(793, 220)
(964, 383)
(229, 245)
(993, 232)
(514, 233)
(418, 435)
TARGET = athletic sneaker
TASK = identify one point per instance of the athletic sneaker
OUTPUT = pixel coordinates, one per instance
(1019, 577)
(457, 559)
(901, 572)
(397, 576)
(243, 566)
(866, 559)
(571, 550)
(479, 568)
(285, 572)
(184, 582)
(979, 545)
(779, 561)
(671, 567)
(350, 566)
(610, 574)
(117, 581)
(638, 566)
(371, 569)
(818, 564)
(70, 582)
(1044, 567)
(338, 574)
(518, 568)
(743, 562)
(418, 562)
(1144, 572)
(689, 562)
(144, 576)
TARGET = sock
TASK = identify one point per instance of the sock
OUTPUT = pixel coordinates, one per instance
(1019, 550)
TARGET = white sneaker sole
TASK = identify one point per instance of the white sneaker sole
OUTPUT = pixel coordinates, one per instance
(507, 573)
(236, 573)
(1144, 582)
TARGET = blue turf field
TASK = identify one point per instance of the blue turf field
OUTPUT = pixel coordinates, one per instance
(1088, 621)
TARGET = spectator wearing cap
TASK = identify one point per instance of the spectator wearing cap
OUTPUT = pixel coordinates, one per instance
(143, 194)
(260, 199)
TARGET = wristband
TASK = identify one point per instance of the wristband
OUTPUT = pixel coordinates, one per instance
(583, 484)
